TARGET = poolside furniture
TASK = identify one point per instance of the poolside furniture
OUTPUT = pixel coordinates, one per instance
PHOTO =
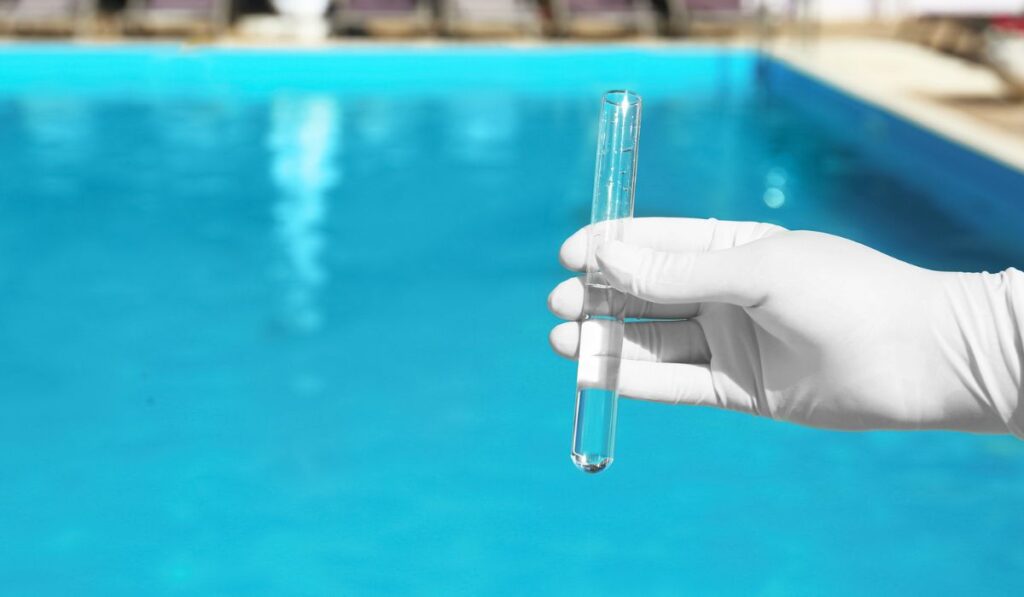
(1004, 53)
(5, 9)
(960, 35)
(383, 17)
(603, 18)
(959, 31)
(301, 8)
(683, 17)
(177, 16)
(47, 16)
(489, 17)
(294, 20)
(993, 39)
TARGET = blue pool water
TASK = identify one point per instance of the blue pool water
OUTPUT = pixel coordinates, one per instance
(274, 324)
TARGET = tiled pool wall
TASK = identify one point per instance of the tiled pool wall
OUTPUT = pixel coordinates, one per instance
(976, 188)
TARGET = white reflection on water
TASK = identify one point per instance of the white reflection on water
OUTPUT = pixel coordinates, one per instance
(303, 141)
(56, 124)
(482, 128)
(378, 124)
(775, 184)
(61, 133)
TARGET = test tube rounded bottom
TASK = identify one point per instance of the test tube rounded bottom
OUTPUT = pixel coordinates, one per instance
(581, 462)
(593, 446)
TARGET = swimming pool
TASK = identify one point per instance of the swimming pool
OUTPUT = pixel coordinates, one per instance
(273, 323)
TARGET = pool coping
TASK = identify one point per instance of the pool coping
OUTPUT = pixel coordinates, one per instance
(832, 66)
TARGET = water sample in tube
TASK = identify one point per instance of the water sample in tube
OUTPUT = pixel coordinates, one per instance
(600, 348)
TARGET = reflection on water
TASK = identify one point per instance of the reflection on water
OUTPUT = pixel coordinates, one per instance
(58, 130)
(482, 129)
(378, 125)
(59, 125)
(774, 192)
(303, 141)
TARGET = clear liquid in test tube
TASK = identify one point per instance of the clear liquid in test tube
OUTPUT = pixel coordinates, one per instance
(601, 332)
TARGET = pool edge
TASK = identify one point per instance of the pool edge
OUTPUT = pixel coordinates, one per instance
(945, 122)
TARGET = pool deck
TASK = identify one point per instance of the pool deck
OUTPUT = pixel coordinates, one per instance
(959, 100)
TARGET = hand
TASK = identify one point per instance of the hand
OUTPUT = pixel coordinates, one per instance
(803, 327)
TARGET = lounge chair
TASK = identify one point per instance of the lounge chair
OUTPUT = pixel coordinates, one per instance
(958, 31)
(5, 10)
(1004, 53)
(63, 17)
(603, 18)
(684, 17)
(383, 17)
(489, 17)
(960, 35)
(993, 39)
(178, 16)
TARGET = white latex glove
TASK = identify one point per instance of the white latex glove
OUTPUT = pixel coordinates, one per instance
(804, 327)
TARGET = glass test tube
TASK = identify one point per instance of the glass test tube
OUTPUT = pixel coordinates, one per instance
(593, 442)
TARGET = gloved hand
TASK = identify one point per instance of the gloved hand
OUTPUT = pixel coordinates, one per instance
(803, 327)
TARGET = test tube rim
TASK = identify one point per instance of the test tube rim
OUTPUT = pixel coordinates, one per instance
(615, 97)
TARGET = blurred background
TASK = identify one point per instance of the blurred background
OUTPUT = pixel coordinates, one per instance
(317, 19)
(273, 278)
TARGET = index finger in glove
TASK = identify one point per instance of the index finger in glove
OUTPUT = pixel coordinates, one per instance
(676, 235)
